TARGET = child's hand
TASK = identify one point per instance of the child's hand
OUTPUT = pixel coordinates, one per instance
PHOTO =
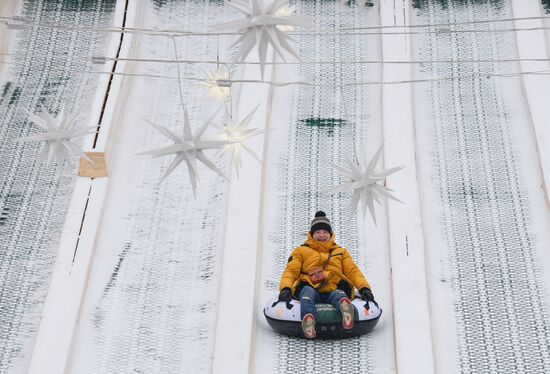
(366, 294)
(285, 295)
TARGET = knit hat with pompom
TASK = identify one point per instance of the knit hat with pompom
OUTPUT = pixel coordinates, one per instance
(320, 222)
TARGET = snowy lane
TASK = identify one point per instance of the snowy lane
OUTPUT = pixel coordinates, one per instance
(313, 126)
(151, 302)
(47, 68)
(484, 211)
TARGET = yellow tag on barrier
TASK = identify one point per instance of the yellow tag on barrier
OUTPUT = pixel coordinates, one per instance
(95, 169)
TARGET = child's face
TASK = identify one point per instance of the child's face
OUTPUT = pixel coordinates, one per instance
(321, 236)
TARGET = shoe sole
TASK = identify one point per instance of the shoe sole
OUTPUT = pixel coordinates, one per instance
(347, 315)
(308, 327)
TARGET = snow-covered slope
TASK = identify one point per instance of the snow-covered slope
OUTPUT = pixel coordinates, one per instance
(50, 67)
(150, 278)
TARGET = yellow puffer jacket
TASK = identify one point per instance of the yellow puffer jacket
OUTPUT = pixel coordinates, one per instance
(313, 254)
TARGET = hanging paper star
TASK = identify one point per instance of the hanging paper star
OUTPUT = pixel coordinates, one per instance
(237, 133)
(286, 11)
(260, 27)
(218, 84)
(363, 181)
(188, 148)
(57, 136)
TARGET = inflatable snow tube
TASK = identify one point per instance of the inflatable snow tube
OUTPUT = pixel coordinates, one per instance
(285, 319)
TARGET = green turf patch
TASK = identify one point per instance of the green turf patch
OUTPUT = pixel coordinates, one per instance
(328, 124)
(424, 4)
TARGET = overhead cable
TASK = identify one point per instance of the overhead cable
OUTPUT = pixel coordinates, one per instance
(439, 28)
(99, 60)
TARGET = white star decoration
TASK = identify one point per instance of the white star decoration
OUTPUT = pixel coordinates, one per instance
(286, 11)
(212, 83)
(57, 136)
(261, 27)
(188, 148)
(363, 181)
(237, 133)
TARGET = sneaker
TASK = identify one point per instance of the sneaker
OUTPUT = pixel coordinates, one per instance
(308, 326)
(346, 307)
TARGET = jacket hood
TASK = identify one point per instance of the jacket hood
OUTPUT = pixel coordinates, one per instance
(321, 246)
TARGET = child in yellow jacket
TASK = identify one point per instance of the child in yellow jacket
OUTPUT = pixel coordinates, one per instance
(321, 271)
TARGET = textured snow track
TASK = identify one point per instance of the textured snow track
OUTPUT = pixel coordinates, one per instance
(48, 68)
(323, 124)
(152, 298)
(488, 270)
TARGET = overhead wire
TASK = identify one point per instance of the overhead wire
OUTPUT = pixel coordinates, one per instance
(179, 73)
(179, 33)
(500, 20)
(98, 60)
(439, 28)
(367, 83)
(282, 84)
(485, 21)
(458, 61)
(311, 84)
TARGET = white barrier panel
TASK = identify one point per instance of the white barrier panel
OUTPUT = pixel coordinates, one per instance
(413, 340)
(62, 307)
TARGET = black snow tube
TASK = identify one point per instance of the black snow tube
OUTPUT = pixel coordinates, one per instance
(285, 319)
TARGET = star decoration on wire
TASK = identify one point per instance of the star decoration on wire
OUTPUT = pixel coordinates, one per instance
(218, 84)
(57, 136)
(364, 182)
(238, 133)
(286, 11)
(189, 148)
(261, 27)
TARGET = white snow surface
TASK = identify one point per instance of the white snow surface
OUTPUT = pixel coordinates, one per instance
(165, 282)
